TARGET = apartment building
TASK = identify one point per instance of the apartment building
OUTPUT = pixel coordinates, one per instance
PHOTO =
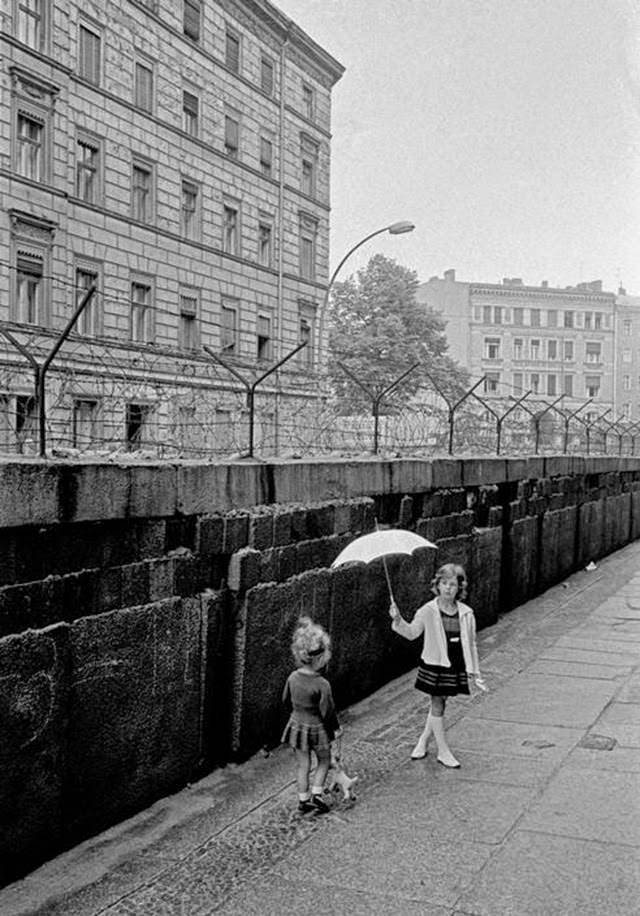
(542, 339)
(176, 156)
(627, 368)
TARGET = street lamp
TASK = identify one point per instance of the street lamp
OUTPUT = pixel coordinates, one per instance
(398, 228)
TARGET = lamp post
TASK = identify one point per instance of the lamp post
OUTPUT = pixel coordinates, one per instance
(398, 228)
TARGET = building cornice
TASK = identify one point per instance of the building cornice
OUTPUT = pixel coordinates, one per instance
(530, 292)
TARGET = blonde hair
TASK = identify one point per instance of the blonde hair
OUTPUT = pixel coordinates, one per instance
(451, 571)
(311, 644)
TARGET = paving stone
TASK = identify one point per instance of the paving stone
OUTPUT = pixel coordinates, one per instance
(539, 740)
(576, 669)
(622, 722)
(589, 805)
(541, 875)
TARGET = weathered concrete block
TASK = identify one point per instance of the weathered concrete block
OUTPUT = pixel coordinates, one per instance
(433, 504)
(153, 491)
(269, 565)
(617, 521)
(523, 557)
(34, 690)
(92, 492)
(236, 531)
(478, 472)
(405, 516)
(342, 517)
(455, 550)
(557, 547)
(261, 529)
(494, 518)
(209, 535)
(161, 578)
(286, 561)
(219, 487)
(635, 515)
(135, 585)
(29, 494)
(590, 544)
(484, 575)
(134, 709)
(244, 569)
(446, 472)
(109, 589)
(282, 526)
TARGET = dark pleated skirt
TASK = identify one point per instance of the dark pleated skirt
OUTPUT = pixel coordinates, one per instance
(439, 681)
(305, 736)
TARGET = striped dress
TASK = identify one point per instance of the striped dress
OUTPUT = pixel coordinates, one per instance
(437, 680)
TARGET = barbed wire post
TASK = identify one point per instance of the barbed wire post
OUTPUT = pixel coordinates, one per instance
(376, 398)
(500, 418)
(605, 432)
(250, 387)
(590, 424)
(40, 372)
(632, 437)
(452, 407)
(567, 417)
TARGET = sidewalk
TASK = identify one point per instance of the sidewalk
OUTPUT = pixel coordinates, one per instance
(542, 819)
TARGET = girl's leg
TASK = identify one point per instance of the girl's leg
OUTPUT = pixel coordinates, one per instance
(445, 757)
(324, 761)
(420, 750)
(303, 767)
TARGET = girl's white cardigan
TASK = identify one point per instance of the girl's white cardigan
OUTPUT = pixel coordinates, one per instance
(434, 651)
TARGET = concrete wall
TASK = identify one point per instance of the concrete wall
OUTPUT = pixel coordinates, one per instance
(146, 611)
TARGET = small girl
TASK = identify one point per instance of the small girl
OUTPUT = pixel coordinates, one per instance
(449, 652)
(313, 723)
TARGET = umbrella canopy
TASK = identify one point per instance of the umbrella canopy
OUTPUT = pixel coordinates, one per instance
(379, 544)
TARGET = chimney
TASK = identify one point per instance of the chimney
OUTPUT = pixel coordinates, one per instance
(544, 284)
(516, 281)
(595, 286)
(506, 281)
(622, 291)
(450, 275)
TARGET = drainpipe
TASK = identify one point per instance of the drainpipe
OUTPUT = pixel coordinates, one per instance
(280, 286)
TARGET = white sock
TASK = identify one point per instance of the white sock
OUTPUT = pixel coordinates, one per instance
(317, 790)
(303, 796)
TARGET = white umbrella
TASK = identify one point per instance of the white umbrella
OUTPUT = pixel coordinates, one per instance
(379, 545)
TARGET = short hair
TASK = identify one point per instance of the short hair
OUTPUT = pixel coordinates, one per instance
(451, 571)
(311, 644)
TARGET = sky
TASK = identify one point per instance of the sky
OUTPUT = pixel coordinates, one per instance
(508, 131)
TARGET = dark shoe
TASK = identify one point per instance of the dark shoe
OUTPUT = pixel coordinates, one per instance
(320, 806)
(304, 807)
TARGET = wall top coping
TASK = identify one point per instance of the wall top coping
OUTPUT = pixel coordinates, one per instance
(41, 492)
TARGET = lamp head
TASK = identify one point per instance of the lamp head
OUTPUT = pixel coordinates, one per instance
(398, 228)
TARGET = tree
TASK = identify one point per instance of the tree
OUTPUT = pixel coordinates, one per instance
(378, 330)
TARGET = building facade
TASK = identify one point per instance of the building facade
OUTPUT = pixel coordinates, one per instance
(538, 339)
(627, 372)
(175, 155)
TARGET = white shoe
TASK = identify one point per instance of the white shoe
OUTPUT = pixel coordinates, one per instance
(445, 757)
(448, 760)
(420, 750)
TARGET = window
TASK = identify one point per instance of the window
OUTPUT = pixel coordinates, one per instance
(308, 164)
(308, 233)
(491, 382)
(307, 180)
(266, 157)
(492, 348)
(190, 113)
(552, 349)
(587, 321)
(517, 347)
(143, 89)
(85, 279)
(551, 384)
(189, 210)
(568, 319)
(535, 348)
(307, 332)
(498, 314)
(567, 382)
(534, 315)
(308, 101)
(137, 425)
(552, 318)
(191, 13)
(593, 353)
(30, 289)
(30, 147)
(626, 410)
(26, 416)
(232, 51)
(592, 386)
(264, 337)
(230, 229)
(597, 321)
(231, 136)
(518, 379)
(84, 422)
(141, 313)
(141, 191)
(534, 383)
(626, 327)
(626, 382)
(568, 351)
(265, 251)
(188, 326)
(87, 169)
(626, 356)
(229, 325)
(486, 314)
(518, 317)
(89, 54)
(31, 23)
(266, 75)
